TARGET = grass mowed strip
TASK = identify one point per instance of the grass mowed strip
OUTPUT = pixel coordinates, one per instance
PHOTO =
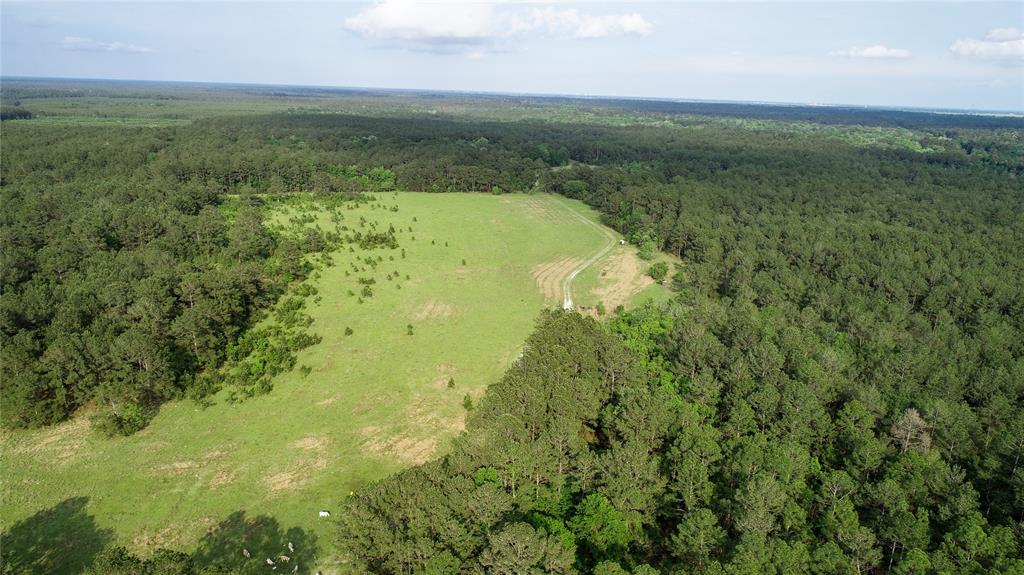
(619, 276)
(366, 401)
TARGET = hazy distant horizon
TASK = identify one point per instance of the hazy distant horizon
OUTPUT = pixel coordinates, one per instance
(966, 56)
(541, 95)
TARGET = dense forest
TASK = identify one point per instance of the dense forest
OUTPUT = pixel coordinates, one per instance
(838, 386)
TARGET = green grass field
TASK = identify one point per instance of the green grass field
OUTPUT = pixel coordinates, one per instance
(373, 402)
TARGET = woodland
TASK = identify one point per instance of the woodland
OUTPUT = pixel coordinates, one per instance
(836, 387)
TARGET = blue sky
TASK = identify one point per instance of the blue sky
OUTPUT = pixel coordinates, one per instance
(954, 55)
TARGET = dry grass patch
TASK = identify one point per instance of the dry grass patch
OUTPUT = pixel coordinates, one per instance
(60, 444)
(299, 472)
(621, 277)
(222, 478)
(184, 467)
(434, 309)
(403, 448)
(549, 276)
(311, 442)
(177, 467)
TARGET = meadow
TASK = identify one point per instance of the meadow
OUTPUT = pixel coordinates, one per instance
(384, 390)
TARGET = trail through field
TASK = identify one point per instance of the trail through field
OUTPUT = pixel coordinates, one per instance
(567, 302)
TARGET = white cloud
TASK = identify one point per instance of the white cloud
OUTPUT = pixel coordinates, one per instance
(89, 45)
(877, 51)
(571, 21)
(602, 26)
(419, 21)
(999, 44)
(476, 28)
(1003, 34)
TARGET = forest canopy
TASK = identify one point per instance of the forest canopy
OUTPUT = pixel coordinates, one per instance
(837, 387)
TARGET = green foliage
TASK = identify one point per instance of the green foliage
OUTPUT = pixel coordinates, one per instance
(531, 504)
(600, 526)
(125, 419)
(837, 388)
(12, 112)
(486, 475)
(658, 271)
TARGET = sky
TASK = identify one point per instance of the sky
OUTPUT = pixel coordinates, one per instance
(962, 55)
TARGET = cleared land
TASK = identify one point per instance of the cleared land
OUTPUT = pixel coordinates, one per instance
(476, 270)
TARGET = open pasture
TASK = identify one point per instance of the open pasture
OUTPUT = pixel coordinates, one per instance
(467, 280)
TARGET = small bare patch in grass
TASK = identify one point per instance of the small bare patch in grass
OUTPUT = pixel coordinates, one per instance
(400, 447)
(328, 401)
(434, 309)
(289, 480)
(311, 442)
(186, 466)
(222, 478)
(622, 277)
(312, 458)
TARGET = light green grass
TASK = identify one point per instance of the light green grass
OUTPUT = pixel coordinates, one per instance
(375, 401)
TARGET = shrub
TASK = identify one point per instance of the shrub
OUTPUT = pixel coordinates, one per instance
(658, 271)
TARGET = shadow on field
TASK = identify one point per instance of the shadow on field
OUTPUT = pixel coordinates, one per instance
(62, 539)
(264, 539)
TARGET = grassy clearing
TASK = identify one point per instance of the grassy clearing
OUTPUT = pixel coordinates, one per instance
(619, 277)
(371, 402)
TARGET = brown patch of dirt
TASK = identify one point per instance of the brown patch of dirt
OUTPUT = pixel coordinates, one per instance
(328, 401)
(311, 442)
(423, 413)
(404, 448)
(222, 478)
(550, 276)
(300, 470)
(284, 481)
(434, 309)
(622, 276)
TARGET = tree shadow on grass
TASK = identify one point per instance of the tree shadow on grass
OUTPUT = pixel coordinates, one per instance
(60, 540)
(264, 539)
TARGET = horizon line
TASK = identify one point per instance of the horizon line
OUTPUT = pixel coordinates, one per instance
(555, 95)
